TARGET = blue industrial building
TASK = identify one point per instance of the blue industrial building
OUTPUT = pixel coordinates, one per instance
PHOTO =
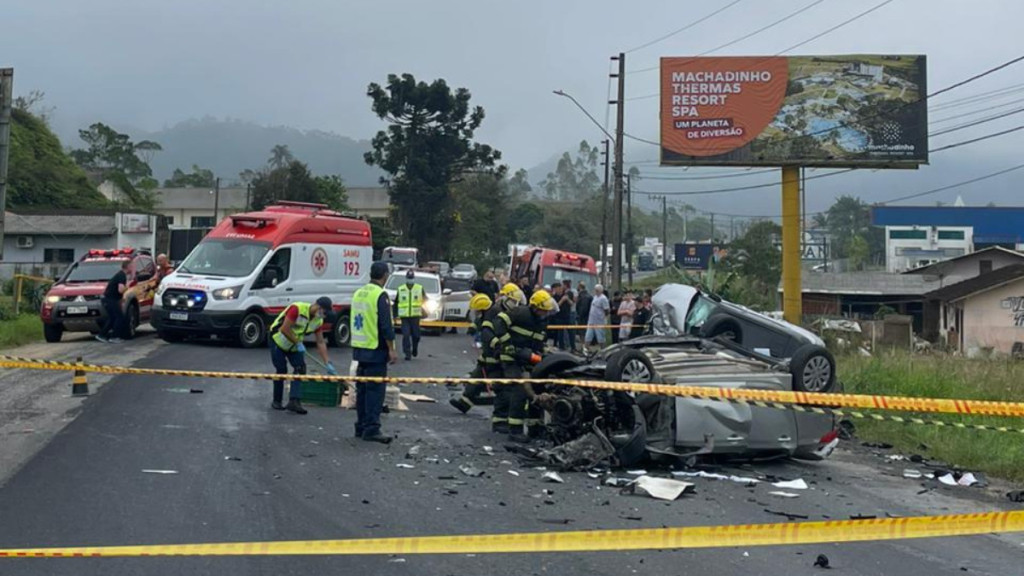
(993, 225)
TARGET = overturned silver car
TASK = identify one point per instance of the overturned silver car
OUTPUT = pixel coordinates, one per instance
(588, 425)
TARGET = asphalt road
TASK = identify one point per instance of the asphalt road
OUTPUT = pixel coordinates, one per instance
(247, 473)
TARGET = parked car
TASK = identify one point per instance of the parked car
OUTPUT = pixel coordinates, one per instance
(456, 294)
(442, 269)
(400, 258)
(73, 302)
(687, 310)
(464, 272)
(630, 427)
(433, 299)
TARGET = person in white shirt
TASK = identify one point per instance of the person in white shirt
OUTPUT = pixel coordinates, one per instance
(626, 312)
(599, 311)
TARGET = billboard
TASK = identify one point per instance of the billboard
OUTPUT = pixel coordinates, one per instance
(135, 224)
(826, 111)
(694, 256)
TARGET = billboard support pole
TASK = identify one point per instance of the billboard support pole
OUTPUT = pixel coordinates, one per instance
(791, 286)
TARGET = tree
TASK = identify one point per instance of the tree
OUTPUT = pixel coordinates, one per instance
(755, 257)
(519, 188)
(482, 214)
(113, 156)
(574, 179)
(41, 174)
(427, 146)
(847, 219)
(522, 221)
(198, 178)
(860, 253)
(280, 157)
(294, 182)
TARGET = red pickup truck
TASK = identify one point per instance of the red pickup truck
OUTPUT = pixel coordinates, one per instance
(73, 302)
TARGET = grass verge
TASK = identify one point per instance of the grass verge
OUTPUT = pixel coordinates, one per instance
(24, 329)
(900, 374)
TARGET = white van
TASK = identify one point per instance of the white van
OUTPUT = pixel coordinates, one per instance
(253, 265)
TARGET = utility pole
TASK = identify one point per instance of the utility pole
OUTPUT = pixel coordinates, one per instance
(629, 227)
(712, 227)
(6, 96)
(216, 201)
(604, 212)
(619, 129)
(248, 194)
(664, 230)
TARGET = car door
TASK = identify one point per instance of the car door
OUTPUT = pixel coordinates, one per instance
(145, 282)
(274, 283)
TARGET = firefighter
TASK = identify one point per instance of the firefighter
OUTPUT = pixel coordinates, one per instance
(487, 362)
(409, 305)
(523, 336)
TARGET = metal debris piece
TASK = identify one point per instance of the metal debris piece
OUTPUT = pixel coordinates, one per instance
(552, 477)
(513, 472)
(404, 465)
(660, 488)
(784, 494)
(822, 562)
(797, 484)
(148, 471)
(471, 471)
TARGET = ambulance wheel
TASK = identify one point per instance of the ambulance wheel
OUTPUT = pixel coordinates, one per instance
(340, 335)
(253, 330)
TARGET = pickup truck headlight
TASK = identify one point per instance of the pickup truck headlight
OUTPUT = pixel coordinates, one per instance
(431, 306)
(230, 293)
(52, 299)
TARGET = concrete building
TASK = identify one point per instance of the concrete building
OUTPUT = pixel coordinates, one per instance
(43, 243)
(194, 207)
(989, 225)
(860, 295)
(910, 247)
(970, 265)
(985, 314)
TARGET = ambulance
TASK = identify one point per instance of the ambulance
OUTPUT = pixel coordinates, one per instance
(251, 266)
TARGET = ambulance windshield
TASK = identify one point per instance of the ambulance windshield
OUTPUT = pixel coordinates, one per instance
(219, 257)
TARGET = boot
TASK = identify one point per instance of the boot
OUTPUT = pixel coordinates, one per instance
(499, 427)
(460, 404)
(276, 405)
(295, 405)
(379, 438)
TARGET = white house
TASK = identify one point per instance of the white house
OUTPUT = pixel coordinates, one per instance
(910, 247)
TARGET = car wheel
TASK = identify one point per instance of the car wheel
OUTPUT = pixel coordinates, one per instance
(53, 332)
(341, 334)
(170, 337)
(133, 320)
(253, 330)
(813, 369)
(630, 366)
(722, 327)
(552, 365)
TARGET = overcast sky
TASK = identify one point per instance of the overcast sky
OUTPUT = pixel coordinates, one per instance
(306, 63)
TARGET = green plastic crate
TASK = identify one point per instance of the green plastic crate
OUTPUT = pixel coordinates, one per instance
(321, 393)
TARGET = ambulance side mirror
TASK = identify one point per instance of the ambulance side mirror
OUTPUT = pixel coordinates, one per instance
(446, 291)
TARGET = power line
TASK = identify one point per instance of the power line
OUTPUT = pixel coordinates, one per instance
(836, 27)
(685, 28)
(951, 186)
(977, 76)
(977, 122)
(747, 36)
(975, 112)
(990, 95)
(828, 174)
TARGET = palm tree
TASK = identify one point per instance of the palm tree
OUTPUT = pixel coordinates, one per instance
(280, 156)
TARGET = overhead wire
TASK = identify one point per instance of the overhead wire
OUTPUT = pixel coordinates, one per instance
(789, 16)
(684, 28)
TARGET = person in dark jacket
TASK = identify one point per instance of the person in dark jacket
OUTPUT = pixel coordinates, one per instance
(583, 301)
(616, 302)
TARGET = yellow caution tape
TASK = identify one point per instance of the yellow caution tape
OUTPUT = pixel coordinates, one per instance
(579, 541)
(825, 400)
(440, 324)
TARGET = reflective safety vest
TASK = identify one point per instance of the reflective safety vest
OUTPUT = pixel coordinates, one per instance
(303, 325)
(410, 302)
(525, 332)
(364, 317)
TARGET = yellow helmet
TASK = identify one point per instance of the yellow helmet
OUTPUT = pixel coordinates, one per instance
(513, 293)
(479, 302)
(542, 300)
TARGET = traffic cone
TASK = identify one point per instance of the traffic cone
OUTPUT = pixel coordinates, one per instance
(79, 383)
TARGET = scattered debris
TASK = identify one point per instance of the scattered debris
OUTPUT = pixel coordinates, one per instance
(784, 494)
(822, 562)
(582, 453)
(863, 517)
(552, 477)
(827, 450)
(879, 445)
(713, 476)
(195, 391)
(659, 488)
(160, 471)
(417, 398)
(404, 465)
(787, 515)
(895, 458)
(413, 451)
(847, 430)
(1015, 495)
(797, 484)
(615, 482)
(913, 474)
(233, 458)
(636, 472)
(513, 472)
(487, 451)
(562, 521)
(947, 479)
(471, 471)
(967, 479)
